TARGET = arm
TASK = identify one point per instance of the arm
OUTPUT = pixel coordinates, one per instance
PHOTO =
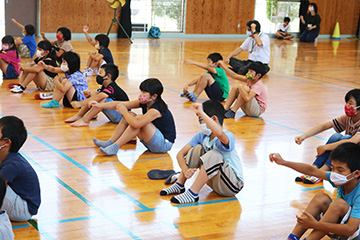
(98, 97)
(318, 129)
(181, 157)
(97, 56)
(247, 96)
(60, 52)
(33, 69)
(88, 38)
(302, 19)
(140, 120)
(231, 73)
(331, 146)
(256, 35)
(234, 53)
(18, 24)
(43, 37)
(62, 84)
(18, 41)
(112, 105)
(207, 67)
(299, 167)
(49, 68)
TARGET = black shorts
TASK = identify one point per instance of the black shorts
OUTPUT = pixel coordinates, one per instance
(214, 92)
(66, 102)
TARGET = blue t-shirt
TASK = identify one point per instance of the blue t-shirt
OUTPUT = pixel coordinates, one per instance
(229, 154)
(352, 198)
(108, 58)
(165, 123)
(22, 179)
(30, 42)
(78, 80)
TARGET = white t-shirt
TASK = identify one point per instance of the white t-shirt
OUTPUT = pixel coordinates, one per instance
(256, 53)
(282, 28)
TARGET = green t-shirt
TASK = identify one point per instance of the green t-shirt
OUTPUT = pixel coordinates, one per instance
(222, 81)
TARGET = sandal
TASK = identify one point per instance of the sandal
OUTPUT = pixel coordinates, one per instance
(190, 95)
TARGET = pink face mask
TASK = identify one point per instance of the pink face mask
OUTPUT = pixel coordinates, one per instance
(350, 111)
(5, 47)
(143, 99)
(59, 36)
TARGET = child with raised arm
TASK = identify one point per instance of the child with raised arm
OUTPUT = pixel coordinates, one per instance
(71, 87)
(27, 44)
(213, 81)
(22, 197)
(349, 123)
(252, 97)
(102, 56)
(109, 92)
(9, 58)
(155, 128)
(43, 79)
(339, 217)
(212, 150)
(62, 44)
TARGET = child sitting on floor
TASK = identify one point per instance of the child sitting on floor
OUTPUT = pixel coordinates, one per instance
(212, 150)
(213, 81)
(283, 30)
(9, 58)
(27, 44)
(69, 88)
(109, 92)
(96, 59)
(62, 44)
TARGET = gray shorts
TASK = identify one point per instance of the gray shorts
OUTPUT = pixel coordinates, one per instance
(222, 178)
(252, 108)
(158, 143)
(15, 206)
(113, 115)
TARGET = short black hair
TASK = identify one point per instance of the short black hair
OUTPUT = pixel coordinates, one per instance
(348, 153)
(2, 189)
(103, 40)
(257, 28)
(355, 93)
(47, 46)
(213, 107)
(14, 129)
(315, 7)
(65, 32)
(258, 67)
(154, 86)
(286, 19)
(215, 57)
(73, 61)
(111, 69)
(30, 30)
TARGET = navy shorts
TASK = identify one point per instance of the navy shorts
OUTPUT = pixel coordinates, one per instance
(214, 92)
(10, 73)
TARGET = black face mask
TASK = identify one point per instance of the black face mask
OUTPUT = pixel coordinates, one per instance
(100, 80)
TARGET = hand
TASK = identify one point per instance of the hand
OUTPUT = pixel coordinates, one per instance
(85, 29)
(87, 93)
(121, 108)
(299, 139)
(13, 20)
(42, 64)
(306, 220)
(276, 157)
(221, 62)
(198, 108)
(321, 150)
(227, 61)
(187, 61)
(190, 172)
(93, 104)
(301, 17)
(253, 28)
(42, 35)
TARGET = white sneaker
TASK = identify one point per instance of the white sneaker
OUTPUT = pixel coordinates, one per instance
(17, 89)
(87, 72)
(96, 70)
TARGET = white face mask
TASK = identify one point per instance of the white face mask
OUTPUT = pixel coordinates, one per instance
(311, 9)
(249, 33)
(97, 46)
(64, 68)
(204, 129)
(339, 179)
(1, 147)
(38, 53)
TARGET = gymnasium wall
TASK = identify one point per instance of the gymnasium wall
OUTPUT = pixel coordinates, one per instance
(202, 16)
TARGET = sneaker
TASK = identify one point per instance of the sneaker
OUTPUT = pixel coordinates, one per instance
(12, 85)
(300, 178)
(87, 72)
(230, 114)
(182, 95)
(311, 180)
(17, 89)
(43, 96)
(190, 95)
(51, 104)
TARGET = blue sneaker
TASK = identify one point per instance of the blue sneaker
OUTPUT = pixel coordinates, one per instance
(51, 104)
(190, 95)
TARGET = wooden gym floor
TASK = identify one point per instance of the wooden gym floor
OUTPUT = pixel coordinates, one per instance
(86, 195)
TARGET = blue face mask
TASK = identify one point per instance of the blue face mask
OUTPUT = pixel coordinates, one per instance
(204, 129)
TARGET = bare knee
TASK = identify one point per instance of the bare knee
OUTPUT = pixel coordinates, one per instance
(321, 200)
(339, 206)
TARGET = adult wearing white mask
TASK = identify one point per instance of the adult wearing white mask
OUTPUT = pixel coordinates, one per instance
(312, 21)
(258, 46)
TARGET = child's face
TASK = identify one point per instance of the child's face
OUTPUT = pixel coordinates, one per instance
(286, 23)
(211, 63)
(6, 46)
(64, 62)
(253, 73)
(340, 168)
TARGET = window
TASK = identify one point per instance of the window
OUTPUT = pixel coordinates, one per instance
(168, 15)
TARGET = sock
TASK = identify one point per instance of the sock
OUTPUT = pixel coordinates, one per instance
(293, 237)
(103, 144)
(110, 150)
(186, 197)
(173, 189)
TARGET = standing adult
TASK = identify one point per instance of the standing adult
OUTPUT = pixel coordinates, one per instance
(258, 46)
(304, 6)
(312, 21)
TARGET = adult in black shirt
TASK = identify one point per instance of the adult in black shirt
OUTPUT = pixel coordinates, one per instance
(312, 21)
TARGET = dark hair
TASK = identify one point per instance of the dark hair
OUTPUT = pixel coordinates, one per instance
(258, 67)
(30, 30)
(315, 7)
(286, 19)
(213, 107)
(111, 69)
(73, 61)
(348, 153)
(154, 86)
(47, 46)
(65, 32)
(2, 189)
(355, 93)
(103, 40)
(8, 39)
(13, 128)
(257, 28)
(215, 57)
